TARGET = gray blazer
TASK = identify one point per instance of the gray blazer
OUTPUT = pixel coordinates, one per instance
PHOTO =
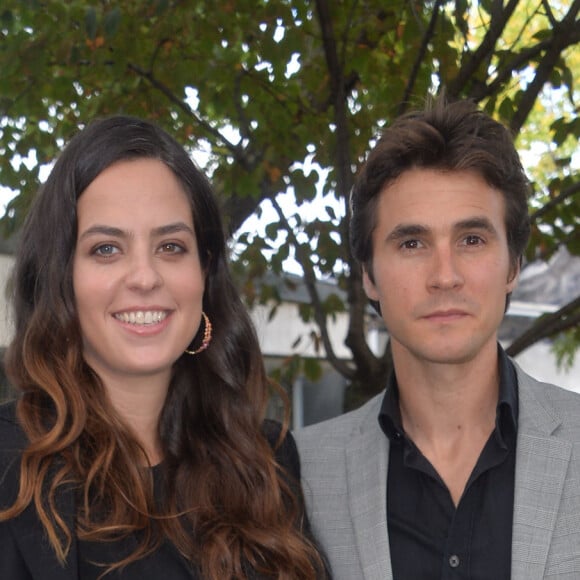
(344, 474)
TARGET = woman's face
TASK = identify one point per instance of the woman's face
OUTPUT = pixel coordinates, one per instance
(137, 277)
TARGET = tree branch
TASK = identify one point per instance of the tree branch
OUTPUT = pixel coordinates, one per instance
(504, 75)
(548, 251)
(356, 336)
(499, 19)
(238, 208)
(427, 37)
(563, 195)
(549, 13)
(369, 367)
(561, 39)
(235, 150)
(320, 318)
(244, 124)
(547, 326)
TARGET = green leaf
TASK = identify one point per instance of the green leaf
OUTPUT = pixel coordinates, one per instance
(64, 63)
(7, 18)
(91, 23)
(111, 22)
(312, 369)
(506, 109)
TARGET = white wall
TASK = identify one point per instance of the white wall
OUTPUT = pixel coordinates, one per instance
(5, 323)
(278, 335)
(539, 362)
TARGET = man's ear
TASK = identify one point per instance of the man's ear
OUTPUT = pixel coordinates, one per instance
(369, 285)
(513, 277)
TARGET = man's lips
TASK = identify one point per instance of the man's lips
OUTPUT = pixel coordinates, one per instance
(451, 314)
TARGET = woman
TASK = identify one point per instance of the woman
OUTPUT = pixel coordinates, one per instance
(138, 446)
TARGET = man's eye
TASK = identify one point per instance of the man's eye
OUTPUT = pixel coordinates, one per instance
(473, 240)
(410, 244)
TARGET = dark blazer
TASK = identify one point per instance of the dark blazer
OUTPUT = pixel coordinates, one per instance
(25, 553)
(345, 462)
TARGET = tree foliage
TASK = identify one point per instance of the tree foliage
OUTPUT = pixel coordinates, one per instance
(284, 96)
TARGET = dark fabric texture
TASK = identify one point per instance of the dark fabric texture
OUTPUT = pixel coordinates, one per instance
(432, 539)
(26, 555)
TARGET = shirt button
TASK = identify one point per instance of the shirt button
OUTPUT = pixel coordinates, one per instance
(454, 561)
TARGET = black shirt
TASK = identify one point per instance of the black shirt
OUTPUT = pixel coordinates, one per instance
(166, 561)
(429, 537)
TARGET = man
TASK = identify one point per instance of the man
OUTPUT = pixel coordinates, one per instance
(465, 467)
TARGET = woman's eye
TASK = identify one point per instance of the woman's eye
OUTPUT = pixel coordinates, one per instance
(105, 250)
(172, 248)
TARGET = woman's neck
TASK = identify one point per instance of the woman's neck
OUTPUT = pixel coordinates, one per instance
(139, 404)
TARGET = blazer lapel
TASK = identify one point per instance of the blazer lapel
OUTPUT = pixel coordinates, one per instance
(541, 465)
(367, 458)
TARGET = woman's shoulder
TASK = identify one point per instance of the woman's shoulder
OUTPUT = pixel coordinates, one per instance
(12, 442)
(12, 436)
(285, 450)
(8, 410)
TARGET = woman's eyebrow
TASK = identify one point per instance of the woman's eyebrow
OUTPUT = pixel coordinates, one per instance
(114, 232)
(109, 231)
(173, 228)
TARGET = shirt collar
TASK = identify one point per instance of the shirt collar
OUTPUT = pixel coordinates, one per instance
(507, 405)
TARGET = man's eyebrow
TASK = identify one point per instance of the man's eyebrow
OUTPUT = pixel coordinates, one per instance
(476, 223)
(401, 231)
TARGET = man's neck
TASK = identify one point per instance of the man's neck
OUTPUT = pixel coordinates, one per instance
(449, 411)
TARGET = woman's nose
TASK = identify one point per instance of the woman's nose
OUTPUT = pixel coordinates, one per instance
(143, 273)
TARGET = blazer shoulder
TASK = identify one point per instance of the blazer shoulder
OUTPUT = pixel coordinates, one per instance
(342, 427)
(549, 406)
(549, 391)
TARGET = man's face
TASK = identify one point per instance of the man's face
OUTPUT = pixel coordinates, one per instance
(441, 266)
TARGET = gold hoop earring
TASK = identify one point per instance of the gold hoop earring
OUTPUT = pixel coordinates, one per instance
(206, 336)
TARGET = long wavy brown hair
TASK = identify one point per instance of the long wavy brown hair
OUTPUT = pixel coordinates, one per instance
(226, 503)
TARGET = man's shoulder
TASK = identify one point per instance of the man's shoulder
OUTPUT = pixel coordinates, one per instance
(541, 399)
(341, 427)
(546, 390)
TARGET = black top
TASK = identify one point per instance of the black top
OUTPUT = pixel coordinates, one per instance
(166, 561)
(25, 553)
(429, 537)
